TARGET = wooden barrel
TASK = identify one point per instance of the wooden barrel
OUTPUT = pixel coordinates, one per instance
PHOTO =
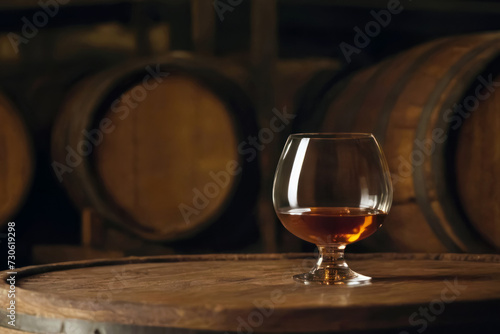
(255, 294)
(16, 160)
(435, 114)
(155, 147)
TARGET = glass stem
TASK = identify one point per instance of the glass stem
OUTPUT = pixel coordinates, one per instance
(331, 261)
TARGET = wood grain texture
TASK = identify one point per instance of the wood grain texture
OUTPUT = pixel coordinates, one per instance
(217, 292)
(167, 141)
(403, 101)
(16, 160)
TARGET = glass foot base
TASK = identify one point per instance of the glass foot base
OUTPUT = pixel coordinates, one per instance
(344, 276)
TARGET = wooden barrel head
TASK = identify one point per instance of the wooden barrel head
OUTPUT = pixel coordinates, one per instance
(167, 149)
(163, 142)
(252, 293)
(16, 164)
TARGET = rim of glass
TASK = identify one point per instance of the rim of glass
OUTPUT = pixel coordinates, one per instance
(332, 135)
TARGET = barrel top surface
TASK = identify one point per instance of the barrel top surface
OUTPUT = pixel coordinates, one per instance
(217, 291)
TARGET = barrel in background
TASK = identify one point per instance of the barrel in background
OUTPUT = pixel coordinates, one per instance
(16, 160)
(408, 101)
(159, 150)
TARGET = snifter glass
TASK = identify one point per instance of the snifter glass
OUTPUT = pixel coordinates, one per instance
(332, 189)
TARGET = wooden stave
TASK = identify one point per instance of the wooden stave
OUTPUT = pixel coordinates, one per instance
(101, 89)
(423, 207)
(32, 323)
(334, 99)
(464, 237)
(381, 237)
(24, 142)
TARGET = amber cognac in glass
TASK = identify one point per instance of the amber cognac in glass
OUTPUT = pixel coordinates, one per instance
(332, 189)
